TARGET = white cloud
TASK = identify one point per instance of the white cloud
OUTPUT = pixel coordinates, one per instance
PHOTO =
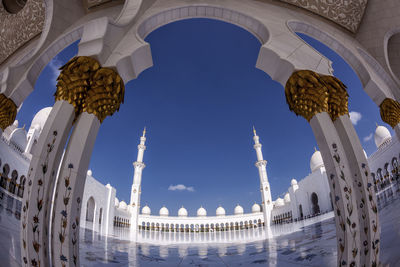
(180, 187)
(54, 66)
(355, 117)
(368, 137)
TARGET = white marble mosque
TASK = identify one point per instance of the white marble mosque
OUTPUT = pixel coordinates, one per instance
(343, 213)
(102, 211)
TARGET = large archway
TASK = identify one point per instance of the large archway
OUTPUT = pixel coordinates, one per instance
(281, 77)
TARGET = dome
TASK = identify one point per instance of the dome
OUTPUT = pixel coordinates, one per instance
(123, 205)
(89, 172)
(18, 138)
(164, 211)
(293, 182)
(201, 212)
(316, 161)
(116, 202)
(182, 212)
(40, 118)
(255, 208)
(382, 134)
(146, 210)
(238, 210)
(287, 198)
(279, 202)
(220, 211)
(15, 123)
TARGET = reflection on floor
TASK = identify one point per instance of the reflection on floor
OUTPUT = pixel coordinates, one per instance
(310, 245)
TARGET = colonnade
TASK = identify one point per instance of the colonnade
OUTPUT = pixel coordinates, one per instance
(201, 227)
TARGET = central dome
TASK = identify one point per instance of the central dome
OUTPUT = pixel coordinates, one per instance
(279, 202)
(201, 212)
(182, 212)
(316, 161)
(238, 210)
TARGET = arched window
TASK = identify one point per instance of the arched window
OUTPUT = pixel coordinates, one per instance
(90, 205)
(13, 182)
(21, 186)
(4, 176)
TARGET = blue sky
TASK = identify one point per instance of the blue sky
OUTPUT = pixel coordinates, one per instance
(199, 102)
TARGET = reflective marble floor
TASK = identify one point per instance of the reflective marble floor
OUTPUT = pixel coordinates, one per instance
(313, 244)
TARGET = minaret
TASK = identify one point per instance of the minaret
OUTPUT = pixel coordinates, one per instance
(264, 184)
(137, 179)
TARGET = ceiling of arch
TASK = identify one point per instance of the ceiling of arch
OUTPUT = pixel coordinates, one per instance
(347, 14)
(17, 29)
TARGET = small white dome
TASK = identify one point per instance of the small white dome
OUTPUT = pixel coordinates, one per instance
(116, 202)
(89, 172)
(287, 198)
(382, 134)
(146, 210)
(123, 205)
(238, 210)
(18, 138)
(293, 182)
(182, 212)
(279, 202)
(164, 211)
(201, 212)
(316, 161)
(220, 211)
(15, 123)
(255, 208)
(40, 118)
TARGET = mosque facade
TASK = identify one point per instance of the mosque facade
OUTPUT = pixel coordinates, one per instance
(103, 212)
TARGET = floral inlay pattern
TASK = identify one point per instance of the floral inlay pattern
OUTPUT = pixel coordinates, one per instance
(18, 29)
(64, 214)
(346, 224)
(35, 222)
(347, 14)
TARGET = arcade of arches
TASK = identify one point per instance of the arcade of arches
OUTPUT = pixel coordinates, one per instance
(90, 88)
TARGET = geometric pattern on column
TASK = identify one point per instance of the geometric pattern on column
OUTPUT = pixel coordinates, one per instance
(390, 111)
(8, 112)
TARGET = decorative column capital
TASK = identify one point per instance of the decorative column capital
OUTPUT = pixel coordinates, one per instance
(8, 111)
(338, 97)
(105, 95)
(306, 94)
(90, 88)
(74, 81)
(390, 111)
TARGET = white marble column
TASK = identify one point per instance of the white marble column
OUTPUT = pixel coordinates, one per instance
(69, 191)
(342, 189)
(40, 184)
(363, 185)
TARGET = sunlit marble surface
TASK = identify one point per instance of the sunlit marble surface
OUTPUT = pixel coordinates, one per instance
(311, 244)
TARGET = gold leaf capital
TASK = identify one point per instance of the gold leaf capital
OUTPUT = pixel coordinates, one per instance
(390, 111)
(8, 111)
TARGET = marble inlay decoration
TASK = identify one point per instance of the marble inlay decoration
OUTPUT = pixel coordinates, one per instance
(17, 29)
(347, 14)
